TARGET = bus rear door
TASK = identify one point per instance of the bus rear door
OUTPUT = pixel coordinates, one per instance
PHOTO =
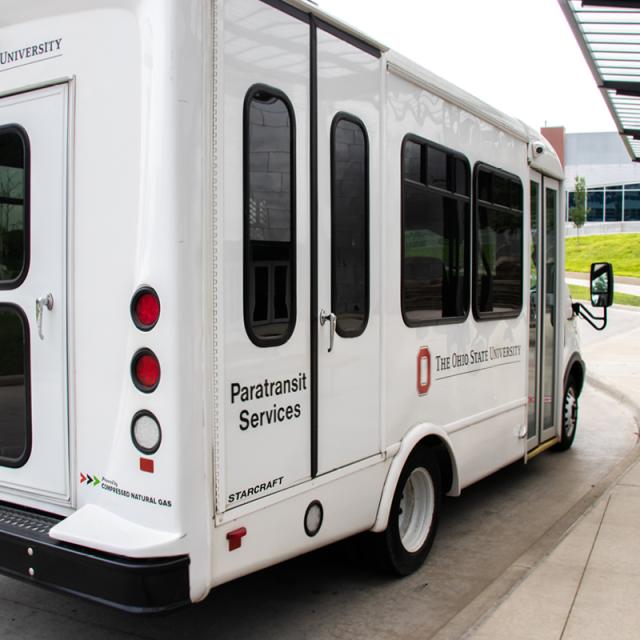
(34, 444)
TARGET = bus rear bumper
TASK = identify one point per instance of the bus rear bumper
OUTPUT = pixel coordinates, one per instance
(136, 585)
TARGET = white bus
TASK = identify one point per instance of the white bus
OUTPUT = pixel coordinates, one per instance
(264, 285)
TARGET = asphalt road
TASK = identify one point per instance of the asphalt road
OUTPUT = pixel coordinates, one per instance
(331, 594)
(619, 320)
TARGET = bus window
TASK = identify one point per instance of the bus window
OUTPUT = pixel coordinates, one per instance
(349, 226)
(435, 232)
(497, 287)
(269, 217)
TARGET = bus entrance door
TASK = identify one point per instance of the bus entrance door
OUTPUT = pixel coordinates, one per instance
(543, 334)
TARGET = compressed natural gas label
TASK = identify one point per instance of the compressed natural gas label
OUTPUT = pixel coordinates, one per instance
(101, 483)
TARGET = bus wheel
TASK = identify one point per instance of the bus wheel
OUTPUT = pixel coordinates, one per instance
(413, 518)
(569, 416)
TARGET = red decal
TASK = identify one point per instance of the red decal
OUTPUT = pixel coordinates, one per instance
(235, 538)
(424, 371)
(146, 465)
(82, 477)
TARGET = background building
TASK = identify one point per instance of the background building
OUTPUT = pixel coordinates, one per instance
(612, 179)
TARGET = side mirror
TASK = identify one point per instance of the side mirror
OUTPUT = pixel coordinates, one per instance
(601, 295)
(601, 284)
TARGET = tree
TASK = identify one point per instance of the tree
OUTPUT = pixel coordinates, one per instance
(579, 211)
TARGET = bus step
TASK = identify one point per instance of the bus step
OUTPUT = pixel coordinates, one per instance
(28, 522)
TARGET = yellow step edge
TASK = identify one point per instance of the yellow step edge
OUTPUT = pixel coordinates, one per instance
(541, 447)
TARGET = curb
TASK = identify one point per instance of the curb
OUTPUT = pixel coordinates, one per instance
(614, 392)
(584, 275)
(466, 621)
(506, 584)
(626, 307)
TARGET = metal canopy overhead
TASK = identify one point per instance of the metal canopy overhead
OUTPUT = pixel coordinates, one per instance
(608, 33)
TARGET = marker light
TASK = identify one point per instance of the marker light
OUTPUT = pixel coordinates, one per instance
(145, 308)
(145, 432)
(145, 370)
(313, 518)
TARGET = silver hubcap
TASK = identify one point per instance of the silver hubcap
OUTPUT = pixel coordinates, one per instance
(570, 412)
(416, 509)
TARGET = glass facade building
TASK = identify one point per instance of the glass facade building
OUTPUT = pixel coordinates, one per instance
(616, 203)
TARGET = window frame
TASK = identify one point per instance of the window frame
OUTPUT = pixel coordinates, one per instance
(425, 144)
(483, 316)
(246, 241)
(347, 117)
(16, 463)
(26, 244)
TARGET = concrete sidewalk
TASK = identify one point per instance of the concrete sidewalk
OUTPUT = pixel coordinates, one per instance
(589, 586)
(622, 284)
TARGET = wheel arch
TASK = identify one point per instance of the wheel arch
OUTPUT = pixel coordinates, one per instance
(575, 369)
(422, 435)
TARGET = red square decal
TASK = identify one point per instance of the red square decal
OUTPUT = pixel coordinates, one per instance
(146, 465)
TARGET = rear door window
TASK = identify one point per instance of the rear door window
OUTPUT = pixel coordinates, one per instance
(15, 421)
(13, 207)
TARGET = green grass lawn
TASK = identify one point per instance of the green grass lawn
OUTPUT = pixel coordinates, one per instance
(582, 293)
(622, 250)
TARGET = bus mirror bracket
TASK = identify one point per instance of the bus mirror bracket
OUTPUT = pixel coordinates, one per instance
(580, 310)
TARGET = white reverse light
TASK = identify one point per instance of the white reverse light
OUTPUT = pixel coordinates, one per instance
(145, 432)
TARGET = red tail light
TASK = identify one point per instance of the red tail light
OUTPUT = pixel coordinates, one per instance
(145, 370)
(145, 308)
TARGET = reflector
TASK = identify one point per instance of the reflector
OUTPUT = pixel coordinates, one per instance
(313, 518)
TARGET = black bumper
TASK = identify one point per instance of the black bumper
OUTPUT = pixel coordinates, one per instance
(138, 586)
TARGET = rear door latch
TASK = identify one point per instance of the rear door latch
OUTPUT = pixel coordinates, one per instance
(45, 301)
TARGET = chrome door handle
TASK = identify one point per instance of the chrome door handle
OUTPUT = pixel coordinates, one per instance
(41, 303)
(331, 317)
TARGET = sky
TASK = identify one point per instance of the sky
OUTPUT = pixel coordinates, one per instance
(519, 56)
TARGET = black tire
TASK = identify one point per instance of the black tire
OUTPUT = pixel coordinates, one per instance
(401, 553)
(569, 416)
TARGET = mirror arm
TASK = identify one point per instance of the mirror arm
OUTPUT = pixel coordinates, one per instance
(582, 311)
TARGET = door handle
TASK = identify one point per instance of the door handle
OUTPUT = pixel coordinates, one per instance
(41, 304)
(331, 317)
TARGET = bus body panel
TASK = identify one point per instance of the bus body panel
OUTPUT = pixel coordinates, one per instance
(459, 390)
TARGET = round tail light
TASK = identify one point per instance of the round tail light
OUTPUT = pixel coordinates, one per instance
(145, 370)
(145, 308)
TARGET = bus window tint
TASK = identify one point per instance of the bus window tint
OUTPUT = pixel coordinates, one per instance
(412, 161)
(349, 226)
(435, 232)
(14, 388)
(269, 218)
(498, 244)
(13, 214)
